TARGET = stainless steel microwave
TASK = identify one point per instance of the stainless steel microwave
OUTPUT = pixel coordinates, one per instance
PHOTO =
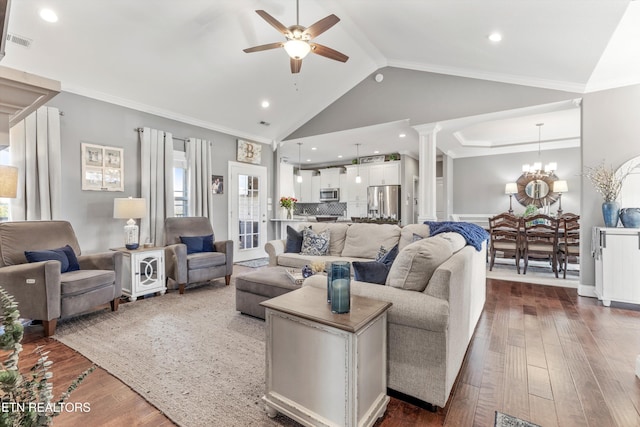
(329, 194)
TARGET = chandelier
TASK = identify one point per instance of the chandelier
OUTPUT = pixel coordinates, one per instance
(536, 169)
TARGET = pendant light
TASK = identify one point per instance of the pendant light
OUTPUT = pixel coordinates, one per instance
(299, 178)
(358, 178)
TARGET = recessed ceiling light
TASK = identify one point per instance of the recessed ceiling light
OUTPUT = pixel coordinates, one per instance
(402, 135)
(48, 15)
(376, 152)
(339, 156)
(314, 148)
(308, 160)
(495, 37)
(265, 104)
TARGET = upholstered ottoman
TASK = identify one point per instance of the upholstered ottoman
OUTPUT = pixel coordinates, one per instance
(260, 285)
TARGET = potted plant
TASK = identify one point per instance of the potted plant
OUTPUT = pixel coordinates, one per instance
(608, 183)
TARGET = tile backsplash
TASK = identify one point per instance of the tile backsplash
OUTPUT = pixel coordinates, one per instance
(331, 208)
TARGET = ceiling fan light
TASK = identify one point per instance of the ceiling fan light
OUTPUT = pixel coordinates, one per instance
(297, 49)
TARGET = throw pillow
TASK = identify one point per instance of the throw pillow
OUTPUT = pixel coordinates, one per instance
(315, 243)
(390, 256)
(49, 255)
(293, 245)
(197, 244)
(381, 253)
(416, 237)
(370, 271)
(417, 262)
(74, 265)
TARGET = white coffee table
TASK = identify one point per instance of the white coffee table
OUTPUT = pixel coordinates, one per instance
(325, 369)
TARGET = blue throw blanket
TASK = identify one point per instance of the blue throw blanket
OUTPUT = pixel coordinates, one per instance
(472, 233)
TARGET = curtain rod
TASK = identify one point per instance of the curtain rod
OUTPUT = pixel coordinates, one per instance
(174, 137)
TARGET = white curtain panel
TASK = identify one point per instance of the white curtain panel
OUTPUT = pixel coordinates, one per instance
(156, 187)
(35, 150)
(199, 169)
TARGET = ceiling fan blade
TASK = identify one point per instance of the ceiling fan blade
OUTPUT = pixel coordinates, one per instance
(296, 65)
(274, 22)
(327, 52)
(321, 26)
(263, 47)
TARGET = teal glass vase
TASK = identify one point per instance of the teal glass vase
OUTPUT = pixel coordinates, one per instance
(340, 287)
(327, 268)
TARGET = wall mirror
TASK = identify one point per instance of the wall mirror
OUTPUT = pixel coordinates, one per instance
(630, 193)
(536, 190)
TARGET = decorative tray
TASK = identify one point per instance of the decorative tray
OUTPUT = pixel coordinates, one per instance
(295, 274)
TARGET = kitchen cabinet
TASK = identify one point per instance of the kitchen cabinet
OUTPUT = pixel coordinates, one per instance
(330, 178)
(315, 189)
(617, 258)
(357, 209)
(387, 173)
(357, 192)
(304, 189)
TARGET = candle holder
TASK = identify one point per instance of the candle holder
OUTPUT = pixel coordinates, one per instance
(340, 287)
(327, 268)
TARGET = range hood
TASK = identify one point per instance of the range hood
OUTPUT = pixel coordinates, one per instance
(21, 94)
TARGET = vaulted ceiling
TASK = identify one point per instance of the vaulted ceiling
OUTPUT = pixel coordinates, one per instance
(184, 60)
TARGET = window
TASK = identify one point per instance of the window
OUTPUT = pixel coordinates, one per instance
(180, 179)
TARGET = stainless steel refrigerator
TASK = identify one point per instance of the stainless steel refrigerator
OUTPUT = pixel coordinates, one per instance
(383, 201)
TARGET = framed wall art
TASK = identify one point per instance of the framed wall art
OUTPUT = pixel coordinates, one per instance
(217, 184)
(249, 152)
(102, 167)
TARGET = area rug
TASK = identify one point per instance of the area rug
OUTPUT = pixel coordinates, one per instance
(539, 272)
(505, 420)
(192, 356)
(254, 263)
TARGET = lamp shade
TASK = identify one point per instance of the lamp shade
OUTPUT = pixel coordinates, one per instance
(560, 186)
(8, 181)
(297, 49)
(129, 208)
(511, 188)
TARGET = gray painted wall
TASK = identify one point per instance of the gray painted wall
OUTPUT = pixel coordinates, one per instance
(478, 182)
(97, 122)
(423, 98)
(610, 133)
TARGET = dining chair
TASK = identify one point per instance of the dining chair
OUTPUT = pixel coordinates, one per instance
(569, 241)
(505, 237)
(541, 239)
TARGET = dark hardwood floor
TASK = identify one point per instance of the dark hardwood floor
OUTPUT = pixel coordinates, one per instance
(541, 353)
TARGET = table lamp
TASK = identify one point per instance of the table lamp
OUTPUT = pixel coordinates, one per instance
(8, 181)
(130, 208)
(560, 187)
(511, 188)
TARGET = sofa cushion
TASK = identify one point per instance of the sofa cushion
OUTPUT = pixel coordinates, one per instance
(337, 235)
(364, 240)
(205, 260)
(315, 243)
(81, 281)
(371, 271)
(197, 244)
(300, 260)
(294, 241)
(456, 240)
(416, 263)
(411, 233)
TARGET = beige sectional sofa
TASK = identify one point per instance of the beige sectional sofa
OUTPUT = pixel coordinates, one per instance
(429, 329)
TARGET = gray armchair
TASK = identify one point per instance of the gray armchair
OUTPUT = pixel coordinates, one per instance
(41, 290)
(183, 269)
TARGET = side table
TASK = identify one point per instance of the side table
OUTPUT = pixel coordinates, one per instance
(143, 272)
(326, 369)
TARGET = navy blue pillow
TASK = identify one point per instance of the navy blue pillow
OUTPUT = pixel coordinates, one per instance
(197, 244)
(293, 244)
(370, 271)
(388, 258)
(49, 255)
(71, 256)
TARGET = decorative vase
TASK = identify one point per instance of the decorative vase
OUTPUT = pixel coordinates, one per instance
(289, 213)
(630, 217)
(340, 287)
(327, 268)
(610, 213)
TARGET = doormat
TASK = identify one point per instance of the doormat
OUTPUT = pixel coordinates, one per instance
(505, 420)
(254, 263)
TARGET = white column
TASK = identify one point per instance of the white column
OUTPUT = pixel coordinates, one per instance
(427, 168)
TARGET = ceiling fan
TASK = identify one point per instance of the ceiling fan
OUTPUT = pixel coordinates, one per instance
(298, 43)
